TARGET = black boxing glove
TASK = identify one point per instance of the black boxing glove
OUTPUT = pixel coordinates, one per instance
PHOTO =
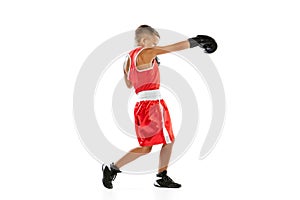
(206, 42)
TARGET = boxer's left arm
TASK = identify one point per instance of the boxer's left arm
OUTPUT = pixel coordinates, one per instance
(126, 70)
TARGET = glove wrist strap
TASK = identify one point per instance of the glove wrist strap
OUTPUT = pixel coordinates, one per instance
(193, 42)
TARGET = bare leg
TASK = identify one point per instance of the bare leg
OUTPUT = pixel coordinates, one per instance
(164, 157)
(132, 155)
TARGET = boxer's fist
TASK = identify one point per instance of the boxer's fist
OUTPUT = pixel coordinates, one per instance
(207, 43)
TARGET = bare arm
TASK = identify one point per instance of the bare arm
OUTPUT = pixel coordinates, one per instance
(146, 56)
(170, 48)
(126, 69)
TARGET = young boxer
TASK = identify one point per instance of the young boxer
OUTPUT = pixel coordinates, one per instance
(152, 119)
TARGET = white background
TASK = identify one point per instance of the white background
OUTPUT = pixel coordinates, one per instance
(43, 45)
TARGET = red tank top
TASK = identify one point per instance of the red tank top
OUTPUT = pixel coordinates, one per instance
(148, 79)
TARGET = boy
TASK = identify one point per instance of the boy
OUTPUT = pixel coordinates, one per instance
(152, 120)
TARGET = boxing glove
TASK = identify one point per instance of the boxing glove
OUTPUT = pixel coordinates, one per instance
(206, 42)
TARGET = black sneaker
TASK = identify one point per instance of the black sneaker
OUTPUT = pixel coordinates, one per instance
(109, 175)
(165, 181)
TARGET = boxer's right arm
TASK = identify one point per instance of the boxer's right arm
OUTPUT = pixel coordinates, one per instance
(146, 56)
(158, 50)
(203, 41)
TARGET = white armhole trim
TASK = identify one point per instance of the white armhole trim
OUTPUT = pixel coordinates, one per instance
(142, 70)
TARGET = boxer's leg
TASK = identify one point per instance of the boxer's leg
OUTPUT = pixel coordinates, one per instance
(132, 155)
(164, 157)
(163, 180)
(110, 173)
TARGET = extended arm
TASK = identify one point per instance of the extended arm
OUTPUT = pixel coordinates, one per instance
(147, 55)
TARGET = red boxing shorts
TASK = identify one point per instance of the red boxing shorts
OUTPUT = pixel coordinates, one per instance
(152, 119)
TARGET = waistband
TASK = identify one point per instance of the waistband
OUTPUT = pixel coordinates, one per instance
(149, 95)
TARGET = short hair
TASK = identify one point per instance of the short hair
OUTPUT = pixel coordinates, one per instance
(142, 30)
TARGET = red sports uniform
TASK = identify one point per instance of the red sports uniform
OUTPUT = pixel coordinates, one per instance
(152, 119)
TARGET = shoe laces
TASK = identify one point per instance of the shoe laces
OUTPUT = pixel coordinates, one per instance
(113, 176)
(114, 173)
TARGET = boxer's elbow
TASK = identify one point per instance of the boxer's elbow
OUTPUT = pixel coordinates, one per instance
(128, 83)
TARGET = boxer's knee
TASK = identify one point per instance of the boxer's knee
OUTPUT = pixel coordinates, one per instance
(146, 149)
(169, 145)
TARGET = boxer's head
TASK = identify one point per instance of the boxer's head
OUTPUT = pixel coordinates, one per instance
(146, 36)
